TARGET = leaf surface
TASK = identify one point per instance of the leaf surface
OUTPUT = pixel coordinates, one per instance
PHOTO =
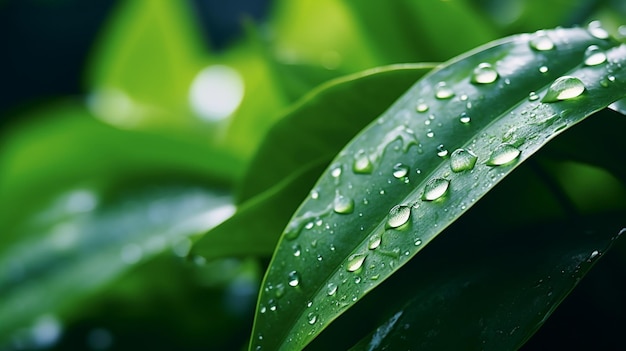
(401, 181)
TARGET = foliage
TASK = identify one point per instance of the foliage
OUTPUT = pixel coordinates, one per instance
(396, 237)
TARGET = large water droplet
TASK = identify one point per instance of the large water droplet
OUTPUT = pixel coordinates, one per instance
(355, 262)
(343, 204)
(435, 189)
(595, 29)
(541, 42)
(331, 289)
(594, 56)
(442, 91)
(312, 318)
(400, 170)
(362, 163)
(484, 73)
(564, 88)
(374, 242)
(293, 278)
(462, 160)
(464, 118)
(503, 154)
(398, 216)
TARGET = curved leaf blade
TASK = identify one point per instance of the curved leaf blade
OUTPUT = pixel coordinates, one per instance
(341, 243)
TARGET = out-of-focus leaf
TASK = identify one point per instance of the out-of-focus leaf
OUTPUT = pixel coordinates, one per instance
(82, 241)
(393, 189)
(323, 122)
(60, 146)
(502, 304)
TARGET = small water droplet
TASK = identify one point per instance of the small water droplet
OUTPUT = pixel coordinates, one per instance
(594, 56)
(594, 254)
(543, 69)
(533, 96)
(400, 170)
(421, 107)
(462, 160)
(541, 42)
(336, 172)
(464, 97)
(343, 204)
(435, 189)
(279, 290)
(293, 278)
(442, 91)
(564, 88)
(430, 133)
(442, 151)
(263, 309)
(418, 242)
(398, 216)
(297, 250)
(271, 304)
(374, 242)
(503, 154)
(355, 262)
(309, 225)
(464, 118)
(315, 194)
(312, 318)
(595, 29)
(331, 289)
(484, 73)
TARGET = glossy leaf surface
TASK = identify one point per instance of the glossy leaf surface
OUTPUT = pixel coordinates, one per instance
(392, 189)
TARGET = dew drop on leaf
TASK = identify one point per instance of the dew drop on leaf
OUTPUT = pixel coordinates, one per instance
(279, 290)
(362, 164)
(435, 189)
(464, 118)
(421, 107)
(564, 88)
(336, 172)
(594, 56)
(418, 242)
(355, 262)
(462, 160)
(400, 170)
(312, 318)
(297, 250)
(271, 304)
(533, 96)
(443, 91)
(293, 278)
(442, 151)
(596, 30)
(503, 154)
(541, 42)
(343, 204)
(374, 242)
(484, 73)
(543, 69)
(430, 133)
(398, 216)
(331, 289)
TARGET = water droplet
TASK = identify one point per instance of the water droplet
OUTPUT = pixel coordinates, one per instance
(398, 216)
(464, 118)
(421, 107)
(442, 91)
(541, 42)
(430, 133)
(400, 170)
(362, 163)
(297, 250)
(343, 204)
(355, 262)
(564, 88)
(462, 160)
(263, 309)
(374, 242)
(484, 73)
(336, 172)
(503, 154)
(533, 96)
(331, 289)
(435, 189)
(543, 69)
(595, 29)
(293, 278)
(594, 254)
(418, 242)
(271, 303)
(315, 194)
(279, 290)
(442, 151)
(312, 318)
(594, 56)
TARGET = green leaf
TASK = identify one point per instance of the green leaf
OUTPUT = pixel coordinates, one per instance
(322, 114)
(394, 188)
(83, 240)
(501, 305)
